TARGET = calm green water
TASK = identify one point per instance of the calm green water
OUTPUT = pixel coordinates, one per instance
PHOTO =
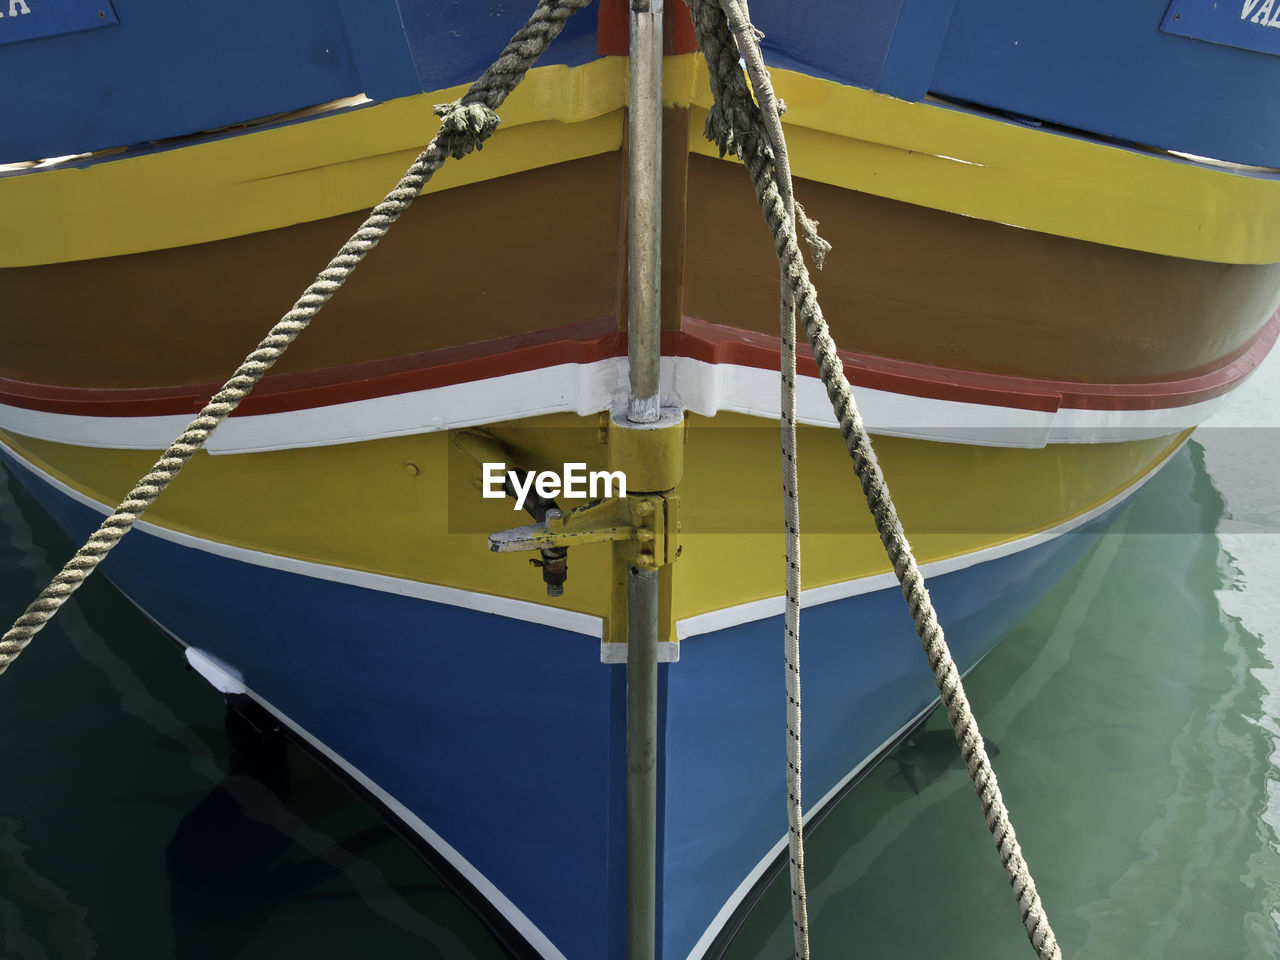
(1136, 712)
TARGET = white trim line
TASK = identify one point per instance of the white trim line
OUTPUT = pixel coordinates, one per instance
(774, 606)
(753, 876)
(756, 872)
(708, 388)
(483, 885)
(583, 623)
(568, 620)
(222, 677)
(587, 388)
(615, 652)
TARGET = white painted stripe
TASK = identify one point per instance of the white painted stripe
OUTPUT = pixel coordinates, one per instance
(707, 388)
(668, 652)
(483, 885)
(570, 387)
(222, 677)
(115, 433)
(584, 389)
(753, 877)
(583, 623)
(568, 620)
(774, 606)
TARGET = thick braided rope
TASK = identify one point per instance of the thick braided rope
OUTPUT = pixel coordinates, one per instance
(744, 33)
(735, 123)
(465, 126)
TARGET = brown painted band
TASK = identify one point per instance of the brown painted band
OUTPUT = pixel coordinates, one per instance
(945, 290)
(540, 249)
(528, 252)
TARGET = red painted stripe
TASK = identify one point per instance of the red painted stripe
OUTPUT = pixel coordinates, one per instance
(599, 340)
(580, 343)
(718, 344)
(678, 34)
(613, 23)
(613, 28)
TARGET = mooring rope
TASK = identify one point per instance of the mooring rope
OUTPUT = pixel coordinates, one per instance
(465, 125)
(740, 22)
(736, 124)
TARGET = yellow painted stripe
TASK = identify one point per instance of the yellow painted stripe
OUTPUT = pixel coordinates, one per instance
(298, 172)
(360, 506)
(920, 153)
(977, 166)
(363, 506)
(954, 499)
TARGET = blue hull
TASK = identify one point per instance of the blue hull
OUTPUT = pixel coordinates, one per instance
(501, 742)
(1196, 77)
(1112, 70)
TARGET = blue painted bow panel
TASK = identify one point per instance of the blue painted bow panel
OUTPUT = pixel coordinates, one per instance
(1247, 24)
(172, 69)
(32, 19)
(1107, 68)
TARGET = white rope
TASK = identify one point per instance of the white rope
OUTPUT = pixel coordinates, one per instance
(745, 34)
(736, 124)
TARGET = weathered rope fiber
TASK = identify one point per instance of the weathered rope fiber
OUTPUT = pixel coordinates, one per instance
(744, 34)
(465, 125)
(735, 123)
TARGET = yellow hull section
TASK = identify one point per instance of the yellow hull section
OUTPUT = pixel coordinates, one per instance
(919, 153)
(409, 507)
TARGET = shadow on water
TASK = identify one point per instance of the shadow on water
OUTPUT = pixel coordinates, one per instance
(927, 755)
(1136, 760)
(229, 863)
(133, 826)
(227, 871)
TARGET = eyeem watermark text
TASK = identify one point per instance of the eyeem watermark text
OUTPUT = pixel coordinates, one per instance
(574, 481)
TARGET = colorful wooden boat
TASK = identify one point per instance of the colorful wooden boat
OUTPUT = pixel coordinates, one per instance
(1056, 250)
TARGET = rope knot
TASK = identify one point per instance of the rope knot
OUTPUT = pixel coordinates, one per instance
(719, 129)
(732, 132)
(464, 127)
(818, 247)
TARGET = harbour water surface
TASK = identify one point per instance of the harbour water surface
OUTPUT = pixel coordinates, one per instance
(1136, 712)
